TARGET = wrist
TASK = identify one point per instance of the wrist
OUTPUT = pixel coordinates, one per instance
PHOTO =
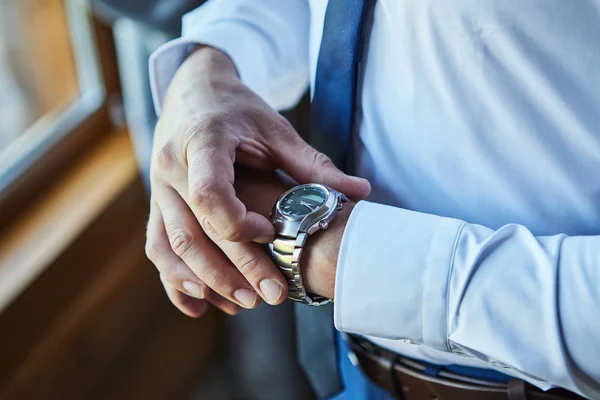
(260, 190)
(211, 63)
(204, 73)
(319, 260)
(202, 83)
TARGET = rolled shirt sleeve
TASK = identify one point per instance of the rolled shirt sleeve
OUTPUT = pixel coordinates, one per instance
(530, 303)
(267, 41)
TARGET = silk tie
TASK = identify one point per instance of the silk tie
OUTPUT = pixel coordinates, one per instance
(332, 115)
(332, 106)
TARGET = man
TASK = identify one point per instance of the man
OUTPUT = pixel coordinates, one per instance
(476, 122)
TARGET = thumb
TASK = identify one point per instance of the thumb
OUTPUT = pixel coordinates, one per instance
(307, 165)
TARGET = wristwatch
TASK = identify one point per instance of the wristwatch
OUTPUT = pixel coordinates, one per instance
(297, 214)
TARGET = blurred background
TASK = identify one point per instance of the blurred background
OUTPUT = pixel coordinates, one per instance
(82, 311)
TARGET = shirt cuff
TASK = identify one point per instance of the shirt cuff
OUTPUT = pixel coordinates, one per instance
(247, 55)
(163, 64)
(394, 266)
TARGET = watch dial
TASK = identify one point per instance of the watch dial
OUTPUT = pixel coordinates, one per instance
(302, 201)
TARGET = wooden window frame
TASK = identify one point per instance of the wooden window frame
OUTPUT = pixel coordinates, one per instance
(37, 160)
(80, 305)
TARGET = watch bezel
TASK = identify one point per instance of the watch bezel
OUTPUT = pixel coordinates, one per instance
(283, 215)
(291, 235)
(290, 226)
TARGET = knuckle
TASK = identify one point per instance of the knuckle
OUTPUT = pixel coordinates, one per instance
(320, 160)
(207, 190)
(213, 122)
(230, 233)
(248, 264)
(279, 125)
(181, 241)
(233, 233)
(152, 249)
(216, 280)
(166, 157)
(207, 226)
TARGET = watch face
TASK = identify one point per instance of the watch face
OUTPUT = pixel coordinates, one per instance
(303, 201)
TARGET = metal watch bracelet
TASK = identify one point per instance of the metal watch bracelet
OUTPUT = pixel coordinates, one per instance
(306, 214)
(287, 253)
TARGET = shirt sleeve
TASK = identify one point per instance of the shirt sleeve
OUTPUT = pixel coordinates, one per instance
(266, 39)
(529, 302)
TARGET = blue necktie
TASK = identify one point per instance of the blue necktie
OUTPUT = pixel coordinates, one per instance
(332, 106)
(332, 115)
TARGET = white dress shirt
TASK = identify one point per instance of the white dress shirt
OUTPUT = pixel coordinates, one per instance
(480, 131)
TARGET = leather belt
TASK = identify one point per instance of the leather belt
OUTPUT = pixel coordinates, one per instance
(405, 379)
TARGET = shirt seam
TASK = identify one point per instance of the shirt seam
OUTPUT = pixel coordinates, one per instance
(449, 277)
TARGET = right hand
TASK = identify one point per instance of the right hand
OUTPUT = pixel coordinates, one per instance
(201, 237)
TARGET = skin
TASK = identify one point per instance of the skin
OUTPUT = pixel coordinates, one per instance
(207, 221)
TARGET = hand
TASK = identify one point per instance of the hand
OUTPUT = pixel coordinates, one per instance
(200, 233)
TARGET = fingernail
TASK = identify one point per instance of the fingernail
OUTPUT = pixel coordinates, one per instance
(271, 290)
(193, 289)
(264, 239)
(245, 296)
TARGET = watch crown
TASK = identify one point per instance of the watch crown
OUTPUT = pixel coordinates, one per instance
(340, 206)
(270, 214)
(323, 224)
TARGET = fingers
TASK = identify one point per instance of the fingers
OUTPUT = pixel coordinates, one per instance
(258, 269)
(176, 273)
(212, 196)
(306, 165)
(188, 305)
(199, 253)
(193, 307)
(170, 266)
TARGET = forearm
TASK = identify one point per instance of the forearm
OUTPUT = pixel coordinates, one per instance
(267, 41)
(504, 296)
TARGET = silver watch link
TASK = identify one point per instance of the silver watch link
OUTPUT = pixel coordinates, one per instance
(297, 214)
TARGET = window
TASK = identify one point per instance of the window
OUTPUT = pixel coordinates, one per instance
(37, 69)
(53, 88)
